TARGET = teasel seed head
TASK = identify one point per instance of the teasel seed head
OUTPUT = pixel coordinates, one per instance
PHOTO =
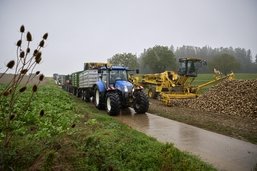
(42, 112)
(38, 72)
(41, 77)
(24, 71)
(38, 57)
(45, 36)
(12, 117)
(42, 43)
(22, 29)
(23, 89)
(28, 50)
(34, 88)
(35, 52)
(6, 93)
(29, 37)
(38, 60)
(19, 43)
(10, 64)
(22, 54)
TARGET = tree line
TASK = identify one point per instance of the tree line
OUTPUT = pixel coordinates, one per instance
(161, 58)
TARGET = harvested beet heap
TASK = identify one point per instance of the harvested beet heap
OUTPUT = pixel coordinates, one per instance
(235, 97)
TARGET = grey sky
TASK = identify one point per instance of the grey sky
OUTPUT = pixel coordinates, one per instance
(94, 30)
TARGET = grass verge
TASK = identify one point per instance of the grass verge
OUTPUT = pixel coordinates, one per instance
(84, 138)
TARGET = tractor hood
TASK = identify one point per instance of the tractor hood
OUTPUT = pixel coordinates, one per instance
(123, 86)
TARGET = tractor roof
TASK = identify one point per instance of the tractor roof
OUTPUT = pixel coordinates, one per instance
(116, 68)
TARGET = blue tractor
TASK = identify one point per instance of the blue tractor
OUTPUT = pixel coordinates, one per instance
(114, 92)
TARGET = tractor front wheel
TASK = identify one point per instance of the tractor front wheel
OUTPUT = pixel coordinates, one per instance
(113, 103)
(99, 100)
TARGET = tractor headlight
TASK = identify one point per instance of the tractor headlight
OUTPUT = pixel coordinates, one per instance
(126, 89)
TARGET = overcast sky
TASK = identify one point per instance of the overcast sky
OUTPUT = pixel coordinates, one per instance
(94, 30)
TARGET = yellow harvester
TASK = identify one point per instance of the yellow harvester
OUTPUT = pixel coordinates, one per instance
(171, 85)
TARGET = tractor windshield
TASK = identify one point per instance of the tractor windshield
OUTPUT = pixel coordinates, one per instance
(118, 75)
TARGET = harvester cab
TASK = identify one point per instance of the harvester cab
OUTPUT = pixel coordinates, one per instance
(188, 70)
(189, 66)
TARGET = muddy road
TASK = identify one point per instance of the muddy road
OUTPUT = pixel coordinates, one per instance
(224, 152)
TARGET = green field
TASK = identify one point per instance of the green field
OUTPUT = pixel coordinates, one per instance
(73, 135)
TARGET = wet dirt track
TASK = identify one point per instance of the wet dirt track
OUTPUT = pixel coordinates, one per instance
(224, 152)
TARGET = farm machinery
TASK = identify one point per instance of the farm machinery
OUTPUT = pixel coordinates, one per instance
(171, 85)
(108, 87)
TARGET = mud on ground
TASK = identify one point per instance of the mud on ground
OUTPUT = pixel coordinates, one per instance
(235, 126)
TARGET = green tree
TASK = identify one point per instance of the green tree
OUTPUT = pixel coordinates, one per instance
(158, 59)
(124, 59)
(225, 63)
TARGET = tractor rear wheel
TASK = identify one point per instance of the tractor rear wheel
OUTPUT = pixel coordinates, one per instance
(113, 103)
(141, 102)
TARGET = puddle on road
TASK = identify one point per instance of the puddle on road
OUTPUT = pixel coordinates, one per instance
(225, 153)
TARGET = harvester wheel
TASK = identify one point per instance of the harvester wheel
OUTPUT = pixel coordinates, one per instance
(141, 102)
(113, 103)
(99, 100)
(152, 93)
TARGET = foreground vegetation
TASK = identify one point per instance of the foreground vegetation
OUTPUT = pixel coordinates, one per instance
(73, 135)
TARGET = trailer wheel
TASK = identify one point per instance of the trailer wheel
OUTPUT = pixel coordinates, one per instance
(82, 95)
(141, 102)
(113, 103)
(99, 100)
(86, 96)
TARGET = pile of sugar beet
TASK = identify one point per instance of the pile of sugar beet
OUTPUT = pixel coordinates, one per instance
(231, 97)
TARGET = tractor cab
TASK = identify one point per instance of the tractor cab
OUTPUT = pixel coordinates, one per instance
(113, 74)
(189, 66)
